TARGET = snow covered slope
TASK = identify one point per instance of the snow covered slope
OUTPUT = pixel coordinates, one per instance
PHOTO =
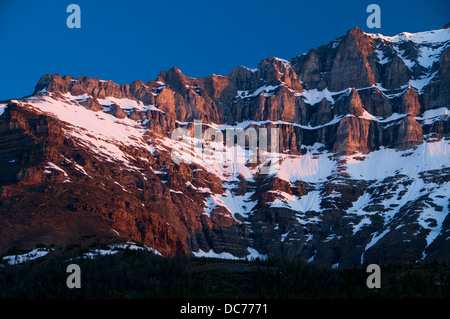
(420, 52)
(359, 173)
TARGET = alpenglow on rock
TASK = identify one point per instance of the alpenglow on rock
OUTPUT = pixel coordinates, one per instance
(363, 159)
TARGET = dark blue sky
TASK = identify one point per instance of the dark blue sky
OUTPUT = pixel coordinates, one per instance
(134, 40)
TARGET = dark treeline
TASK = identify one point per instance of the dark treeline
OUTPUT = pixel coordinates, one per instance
(139, 274)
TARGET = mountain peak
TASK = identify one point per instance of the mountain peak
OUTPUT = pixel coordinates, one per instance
(356, 31)
(53, 82)
(361, 151)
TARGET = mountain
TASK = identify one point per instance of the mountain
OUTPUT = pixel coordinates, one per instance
(340, 156)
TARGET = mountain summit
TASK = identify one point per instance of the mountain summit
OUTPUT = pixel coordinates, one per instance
(362, 168)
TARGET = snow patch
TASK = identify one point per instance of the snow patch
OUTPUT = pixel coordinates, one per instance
(434, 36)
(235, 204)
(385, 162)
(431, 116)
(2, 108)
(252, 254)
(55, 167)
(101, 132)
(363, 222)
(308, 168)
(19, 259)
(308, 202)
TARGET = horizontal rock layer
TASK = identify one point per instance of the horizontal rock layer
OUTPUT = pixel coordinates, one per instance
(362, 174)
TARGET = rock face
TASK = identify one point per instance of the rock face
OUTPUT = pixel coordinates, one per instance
(352, 62)
(437, 92)
(360, 172)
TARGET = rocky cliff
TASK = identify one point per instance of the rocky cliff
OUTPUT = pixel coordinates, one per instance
(360, 172)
